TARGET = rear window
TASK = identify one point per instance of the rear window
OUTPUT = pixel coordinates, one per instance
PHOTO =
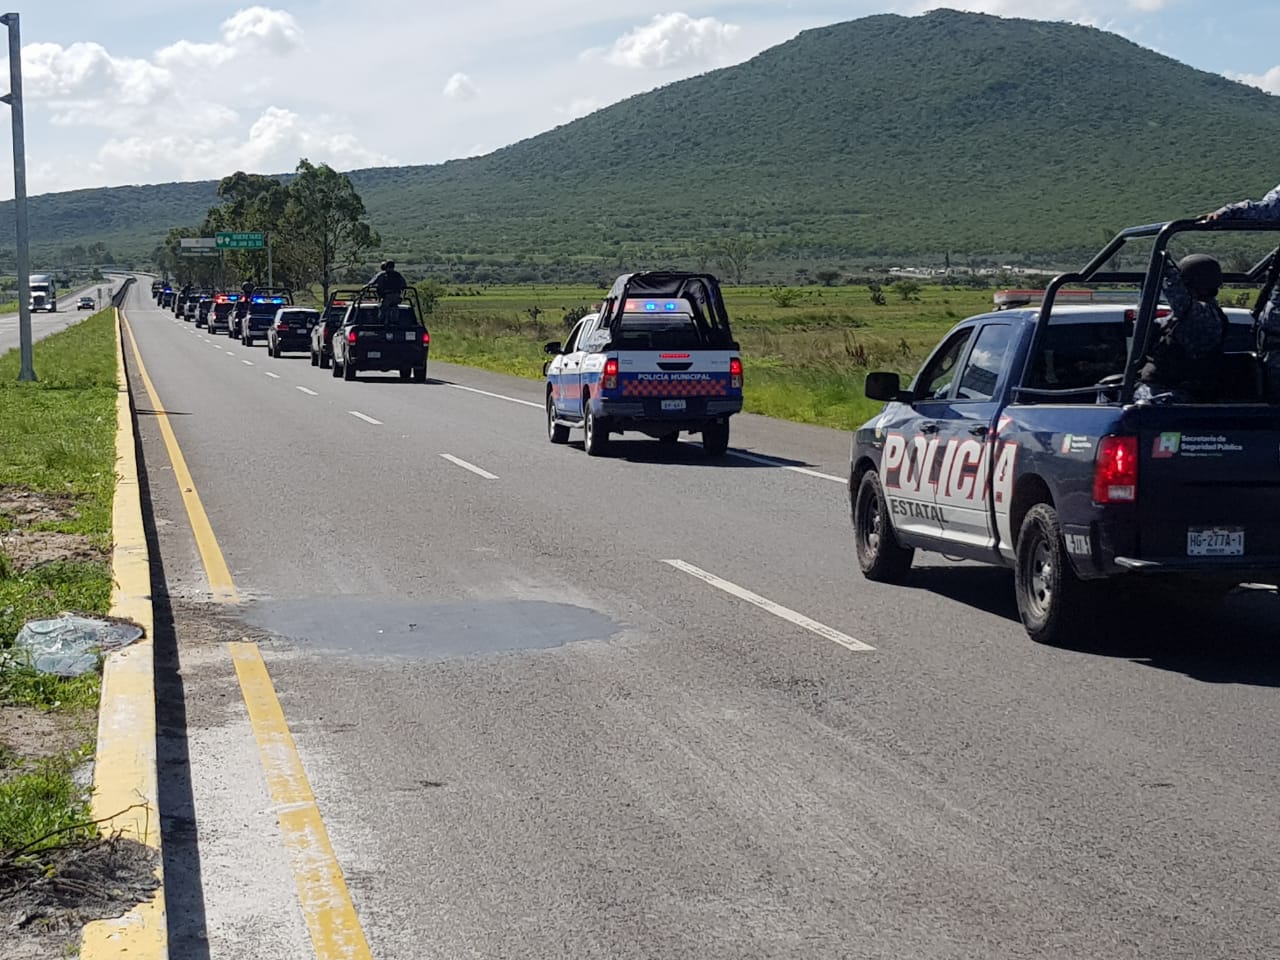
(668, 331)
(371, 313)
(1077, 355)
(293, 316)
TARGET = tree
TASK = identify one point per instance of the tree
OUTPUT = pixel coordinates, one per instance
(323, 231)
(828, 278)
(250, 203)
(734, 255)
(877, 293)
(907, 289)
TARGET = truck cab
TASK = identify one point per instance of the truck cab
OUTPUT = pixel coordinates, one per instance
(44, 293)
(657, 358)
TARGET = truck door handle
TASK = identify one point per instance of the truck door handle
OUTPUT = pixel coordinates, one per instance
(929, 427)
(978, 430)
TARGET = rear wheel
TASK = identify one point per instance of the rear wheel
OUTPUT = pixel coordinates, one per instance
(420, 374)
(669, 439)
(326, 361)
(348, 370)
(556, 432)
(596, 436)
(404, 373)
(1051, 598)
(715, 438)
(336, 369)
(880, 556)
(315, 361)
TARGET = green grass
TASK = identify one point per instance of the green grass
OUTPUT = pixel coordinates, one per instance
(43, 808)
(804, 362)
(58, 437)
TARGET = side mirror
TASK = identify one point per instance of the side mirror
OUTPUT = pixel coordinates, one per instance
(886, 387)
(552, 348)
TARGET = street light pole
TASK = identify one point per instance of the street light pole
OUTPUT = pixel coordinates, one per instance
(14, 100)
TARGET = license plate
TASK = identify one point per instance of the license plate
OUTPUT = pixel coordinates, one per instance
(1215, 542)
(409, 336)
(672, 404)
(374, 355)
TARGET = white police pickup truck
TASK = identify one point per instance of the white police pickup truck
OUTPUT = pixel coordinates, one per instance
(658, 359)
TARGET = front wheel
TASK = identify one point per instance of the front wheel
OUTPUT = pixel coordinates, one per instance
(556, 432)
(1051, 598)
(880, 556)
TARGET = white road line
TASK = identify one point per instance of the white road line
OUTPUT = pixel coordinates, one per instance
(496, 396)
(770, 462)
(469, 466)
(360, 416)
(799, 619)
(273, 376)
(231, 353)
(247, 363)
(311, 393)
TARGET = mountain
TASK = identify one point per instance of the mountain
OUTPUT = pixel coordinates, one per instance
(882, 136)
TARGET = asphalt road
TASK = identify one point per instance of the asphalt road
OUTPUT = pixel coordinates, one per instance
(530, 735)
(45, 324)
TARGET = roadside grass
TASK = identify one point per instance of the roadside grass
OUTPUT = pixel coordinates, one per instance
(806, 350)
(58, 441)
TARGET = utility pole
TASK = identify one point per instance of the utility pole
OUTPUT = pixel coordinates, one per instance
(14, 99)
(270, 274)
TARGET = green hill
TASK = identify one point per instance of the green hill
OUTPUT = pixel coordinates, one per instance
(885, 136)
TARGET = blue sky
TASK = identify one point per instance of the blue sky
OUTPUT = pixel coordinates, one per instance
(147, 91)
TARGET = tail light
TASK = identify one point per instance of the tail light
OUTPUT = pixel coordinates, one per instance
(351, 336)
(1115, 471)
(282, 327)
(611, 374)
(735, 373)
(426, 339)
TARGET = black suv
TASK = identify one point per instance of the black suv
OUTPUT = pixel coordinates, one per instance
(264, 302)
(335, 312)
(291, 329)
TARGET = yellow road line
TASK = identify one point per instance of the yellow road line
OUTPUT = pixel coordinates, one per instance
(125, 782)
(322, 892)
(215, 566)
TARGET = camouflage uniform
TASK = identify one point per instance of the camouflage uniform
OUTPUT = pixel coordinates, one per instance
(1268, 208)
(1186, 357)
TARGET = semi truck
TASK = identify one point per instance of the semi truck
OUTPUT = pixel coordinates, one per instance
(44, 292)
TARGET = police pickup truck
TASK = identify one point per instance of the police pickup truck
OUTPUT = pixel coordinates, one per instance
(369, 340)
(1019, 443)
(658, 359)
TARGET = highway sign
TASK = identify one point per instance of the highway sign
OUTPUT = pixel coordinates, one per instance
(198, 243)
(240, 241)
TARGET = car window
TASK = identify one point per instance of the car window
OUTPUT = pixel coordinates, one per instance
(935, 380)
(572, 343)
(667, 331)
(986, 360)
(1075, 356)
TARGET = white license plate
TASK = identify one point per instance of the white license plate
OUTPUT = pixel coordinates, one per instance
(1215, 542)
(672, 404)
(374, 354)
(409, 336)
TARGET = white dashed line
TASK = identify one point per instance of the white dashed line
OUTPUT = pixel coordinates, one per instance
(770, 462)
(273, 376)
(312, 393)
(360, 416)
(247, 363)
(496, 396)
(799, 619)
(231, 353)
(469, 466)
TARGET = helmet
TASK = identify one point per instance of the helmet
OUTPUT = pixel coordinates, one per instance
(1201, 273)
(389, 265)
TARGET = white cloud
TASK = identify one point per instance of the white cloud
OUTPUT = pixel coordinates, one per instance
(672, 40)
(460, 87)
(185, 55)
(86, 72)
(272, 30)
(1269, 81)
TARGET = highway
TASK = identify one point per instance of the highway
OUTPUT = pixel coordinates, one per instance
(45, 324)
(644, 706)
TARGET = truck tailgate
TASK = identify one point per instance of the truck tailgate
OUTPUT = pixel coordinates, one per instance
(1209, 485)
(678, 382)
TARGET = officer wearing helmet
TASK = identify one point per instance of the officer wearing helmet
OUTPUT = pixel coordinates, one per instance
(390, 286)
(1184, 364)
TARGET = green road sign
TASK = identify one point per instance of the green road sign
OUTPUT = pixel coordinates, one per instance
(240, 241)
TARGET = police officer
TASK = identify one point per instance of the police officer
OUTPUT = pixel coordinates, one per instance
(1268, 208)
(1186, 359)
(390, 287)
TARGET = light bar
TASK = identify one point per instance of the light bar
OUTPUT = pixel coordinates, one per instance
(654, 306)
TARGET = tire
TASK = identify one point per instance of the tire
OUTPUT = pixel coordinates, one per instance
(596, 435)
(880, 557)
(556, 432)
(326, 361)
(669, 439)
(715, 438)
(405, 373)
(420, 374)
(335, 370)
(1051, 598)
(348, 370)
(315, 361)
